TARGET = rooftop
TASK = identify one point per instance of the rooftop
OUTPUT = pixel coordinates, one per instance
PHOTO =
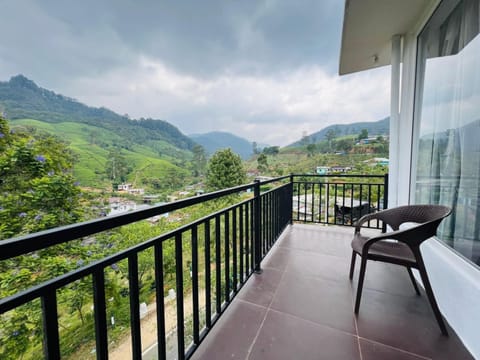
(301, 307)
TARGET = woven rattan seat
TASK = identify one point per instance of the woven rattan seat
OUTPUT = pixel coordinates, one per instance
(401, 247)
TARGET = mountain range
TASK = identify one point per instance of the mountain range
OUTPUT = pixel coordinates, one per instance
(216, 140)
(155, 149)
(380, 127)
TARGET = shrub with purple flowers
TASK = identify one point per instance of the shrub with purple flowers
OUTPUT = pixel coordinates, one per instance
(38, 188)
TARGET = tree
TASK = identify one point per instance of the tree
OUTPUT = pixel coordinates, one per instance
(330, 136)
(255, 147)
(225, 169)
(344, 145)
(37, 186)
(199, 160)
(262, 162)
(311, 149)
(116, 166)
(363, 134)
(271, 150)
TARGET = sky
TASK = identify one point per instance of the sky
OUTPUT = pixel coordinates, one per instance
(265, 70)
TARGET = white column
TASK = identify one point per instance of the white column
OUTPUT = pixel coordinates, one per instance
(394, 153)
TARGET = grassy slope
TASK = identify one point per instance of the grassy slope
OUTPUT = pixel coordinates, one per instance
(90, 168)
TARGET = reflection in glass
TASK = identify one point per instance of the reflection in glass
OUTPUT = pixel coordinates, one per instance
(448, 112)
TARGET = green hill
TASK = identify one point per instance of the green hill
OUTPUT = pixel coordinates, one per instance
(93, 153)
(381, 127)
(153, 149)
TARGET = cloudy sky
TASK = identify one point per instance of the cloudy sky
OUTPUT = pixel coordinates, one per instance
(266, 70)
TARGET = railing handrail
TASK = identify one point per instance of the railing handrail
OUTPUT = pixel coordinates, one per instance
(25, 244)
(339, 175)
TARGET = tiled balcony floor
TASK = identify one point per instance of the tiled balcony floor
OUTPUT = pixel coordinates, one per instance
(301, 307)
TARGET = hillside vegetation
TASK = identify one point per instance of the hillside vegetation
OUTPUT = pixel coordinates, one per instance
(151, 149)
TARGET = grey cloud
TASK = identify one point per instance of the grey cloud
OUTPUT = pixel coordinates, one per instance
(201, 38)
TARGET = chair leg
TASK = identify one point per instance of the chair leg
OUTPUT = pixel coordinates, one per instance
(429, 291)
(412, 279)
(363, 268)
(352, 264)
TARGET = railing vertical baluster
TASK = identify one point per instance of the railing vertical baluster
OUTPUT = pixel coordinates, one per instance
(218, 267)
(385, 199)
(335, 201)
(180, 310)
(327, 194)
(208, 303)
(252, 237)
(159, 292)
(298, 201)
(247, 238)
(196, 308)
(257, 226)
(378, 202)
(51, 339)
(361, 196)
(265, 224)
(306, 202)
(313, 202)
(320, 204)
(134, 306)
(370, 199)
(234, 248)
(290, 201)
(262, 226)
(227, 256)
(343, 206)
(351, 204)
(241, 244)
(100, 314)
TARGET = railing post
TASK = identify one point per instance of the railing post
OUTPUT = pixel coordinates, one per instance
(385, 199)
(290, 201)
(257, 227)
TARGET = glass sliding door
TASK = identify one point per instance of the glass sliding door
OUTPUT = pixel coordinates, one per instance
(447, 120)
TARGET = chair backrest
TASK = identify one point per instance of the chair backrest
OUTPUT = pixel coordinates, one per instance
(427, 218)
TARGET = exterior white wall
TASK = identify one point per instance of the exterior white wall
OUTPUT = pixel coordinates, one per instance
(455, 281)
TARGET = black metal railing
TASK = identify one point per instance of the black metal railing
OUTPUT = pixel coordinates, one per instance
(338, 199)
(224, 249)
(212, 258)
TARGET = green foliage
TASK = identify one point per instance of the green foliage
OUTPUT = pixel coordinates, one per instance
(37, 187)
(363, 134)
(199, 162)
(117, 167)
(225, 169)
(262, 163)
(147, 161)
(271, 150)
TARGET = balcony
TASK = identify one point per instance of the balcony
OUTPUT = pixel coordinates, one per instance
(272, 290)
(301, 307)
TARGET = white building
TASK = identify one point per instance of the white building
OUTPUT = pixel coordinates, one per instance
(433, 48)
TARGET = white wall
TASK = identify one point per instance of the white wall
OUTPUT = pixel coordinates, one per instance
(455, 282)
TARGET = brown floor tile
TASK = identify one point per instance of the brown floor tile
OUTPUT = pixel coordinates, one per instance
(406, 323)
(375, 351)
(233, 334)
(328, 267)
(324, 242)
(260, 288)
(315, 299)
(309, 299)
(384, 277)
(277, 259)
(284, 337)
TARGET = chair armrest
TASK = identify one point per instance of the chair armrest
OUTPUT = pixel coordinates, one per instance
(363, 219)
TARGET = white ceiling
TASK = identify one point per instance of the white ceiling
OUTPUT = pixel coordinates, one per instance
(368, 26)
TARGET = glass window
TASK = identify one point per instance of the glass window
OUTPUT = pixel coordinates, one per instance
(447, 114)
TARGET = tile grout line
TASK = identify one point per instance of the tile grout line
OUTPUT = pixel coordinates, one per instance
(396, 348)
(355, 321)
(266, 313)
